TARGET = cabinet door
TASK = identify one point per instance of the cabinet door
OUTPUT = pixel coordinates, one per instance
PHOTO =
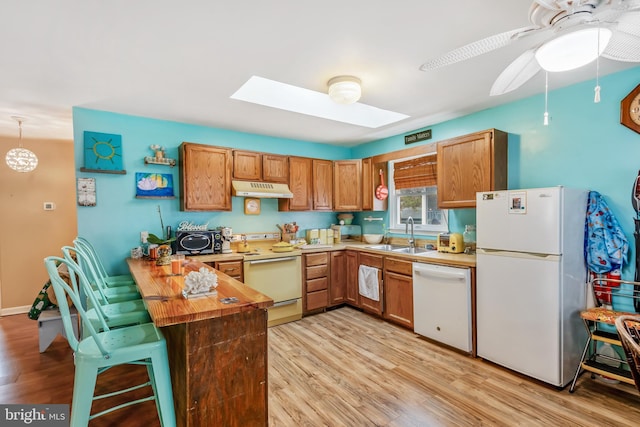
(322, 185)
(247, 165)
(275, 168)
(472, 163)
(352, 295)
(368, 304)
(338, 282)
(368, 188)
(205, 176)
(398, 298)
(300, 176)
(347, 185)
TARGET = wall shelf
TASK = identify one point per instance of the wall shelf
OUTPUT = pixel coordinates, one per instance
(149, 160)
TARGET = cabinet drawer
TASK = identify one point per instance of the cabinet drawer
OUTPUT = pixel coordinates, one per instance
(317, 259)
(398, 266)
(317, 300)
(317, 271)
(371, 260)
(233, 269)
(317, 284)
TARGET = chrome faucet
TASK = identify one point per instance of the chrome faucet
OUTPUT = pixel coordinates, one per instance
(412, 242)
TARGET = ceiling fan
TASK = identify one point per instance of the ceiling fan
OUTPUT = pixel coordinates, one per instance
(614, 25)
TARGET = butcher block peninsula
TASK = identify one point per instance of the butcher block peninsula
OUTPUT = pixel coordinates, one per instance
(209, 340)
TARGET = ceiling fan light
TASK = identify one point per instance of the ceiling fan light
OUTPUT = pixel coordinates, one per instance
(344, 89)
(573, 50)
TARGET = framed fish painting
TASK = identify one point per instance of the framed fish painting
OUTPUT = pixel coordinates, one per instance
(151, 185)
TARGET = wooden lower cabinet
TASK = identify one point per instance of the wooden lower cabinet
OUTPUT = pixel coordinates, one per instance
(315, 281)
(352, 296)
(367, 304)
(230, 268)
(338, 283)
(398, 292)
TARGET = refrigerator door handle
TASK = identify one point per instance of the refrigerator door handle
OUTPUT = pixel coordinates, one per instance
(498, 252)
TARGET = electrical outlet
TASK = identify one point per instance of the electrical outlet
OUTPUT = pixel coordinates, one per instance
(144, 235)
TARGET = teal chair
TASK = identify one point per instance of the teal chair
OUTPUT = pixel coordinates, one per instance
(89, 250)
(117, 314)
(133, 345)
(105, 294)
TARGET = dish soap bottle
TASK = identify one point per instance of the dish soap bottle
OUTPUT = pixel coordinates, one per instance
(469, 236)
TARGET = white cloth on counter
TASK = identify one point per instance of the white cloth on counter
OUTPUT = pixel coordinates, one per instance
(368, 282)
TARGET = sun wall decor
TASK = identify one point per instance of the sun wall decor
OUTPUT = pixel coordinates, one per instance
(102, 153)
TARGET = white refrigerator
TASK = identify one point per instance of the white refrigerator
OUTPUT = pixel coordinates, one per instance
(531, 280)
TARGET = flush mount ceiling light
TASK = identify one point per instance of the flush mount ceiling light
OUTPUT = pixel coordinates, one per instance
(344, 89)
(20, 159)
(271, 93)
(573, 50)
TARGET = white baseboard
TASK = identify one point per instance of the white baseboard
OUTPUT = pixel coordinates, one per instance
(15, 310)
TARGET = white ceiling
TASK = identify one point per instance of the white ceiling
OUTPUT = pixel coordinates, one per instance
(181, 61)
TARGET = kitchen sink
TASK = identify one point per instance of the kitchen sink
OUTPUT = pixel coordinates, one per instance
(387, 247)
(400, 249)
(412, 250)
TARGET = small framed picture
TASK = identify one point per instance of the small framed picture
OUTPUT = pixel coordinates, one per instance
(154, 185)
(87, 191)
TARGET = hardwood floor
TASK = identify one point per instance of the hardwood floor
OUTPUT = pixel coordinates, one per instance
(345, 368)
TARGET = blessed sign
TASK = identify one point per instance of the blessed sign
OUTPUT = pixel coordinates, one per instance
(189, 226)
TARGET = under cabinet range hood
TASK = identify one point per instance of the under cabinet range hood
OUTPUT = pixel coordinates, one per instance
(265, 190)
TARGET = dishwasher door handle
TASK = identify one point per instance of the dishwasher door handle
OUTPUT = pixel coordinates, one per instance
(450, 275)
(266, 261)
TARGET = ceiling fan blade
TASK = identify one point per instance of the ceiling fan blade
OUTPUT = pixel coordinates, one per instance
(548, 4)
(516, 74)
(476, 48)
(625, 42)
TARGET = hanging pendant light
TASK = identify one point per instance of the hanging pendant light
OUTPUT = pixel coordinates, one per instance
(20, 159)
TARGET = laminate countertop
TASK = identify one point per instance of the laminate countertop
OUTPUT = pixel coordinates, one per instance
(430, 257)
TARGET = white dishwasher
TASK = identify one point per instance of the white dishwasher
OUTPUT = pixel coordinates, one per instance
(442, 304)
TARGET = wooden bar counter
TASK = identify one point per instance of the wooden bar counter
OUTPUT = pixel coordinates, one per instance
(217, 352)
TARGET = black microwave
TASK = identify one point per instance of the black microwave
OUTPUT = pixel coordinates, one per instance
(198, 242)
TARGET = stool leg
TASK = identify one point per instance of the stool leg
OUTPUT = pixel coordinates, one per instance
(161, 379)
(84, 385)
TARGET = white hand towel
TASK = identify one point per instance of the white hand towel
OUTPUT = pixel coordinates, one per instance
(368, 282)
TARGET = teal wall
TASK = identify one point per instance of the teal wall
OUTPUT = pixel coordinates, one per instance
(584, 146)
(114, 224)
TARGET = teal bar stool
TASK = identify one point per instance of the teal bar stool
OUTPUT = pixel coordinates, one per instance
(115, 315)
(111, 281)
(105, 294)
(135, 345)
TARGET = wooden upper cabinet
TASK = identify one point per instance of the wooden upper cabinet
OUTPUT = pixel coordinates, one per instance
(347, 185)
(322, 185)
(275, 168)
(368, 189)
(255, 166)
(468, 164)
(247, 165)
(300, 184)
(205, 177)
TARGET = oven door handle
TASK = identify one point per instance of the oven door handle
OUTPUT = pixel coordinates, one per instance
(265, 261)
(287, 302)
